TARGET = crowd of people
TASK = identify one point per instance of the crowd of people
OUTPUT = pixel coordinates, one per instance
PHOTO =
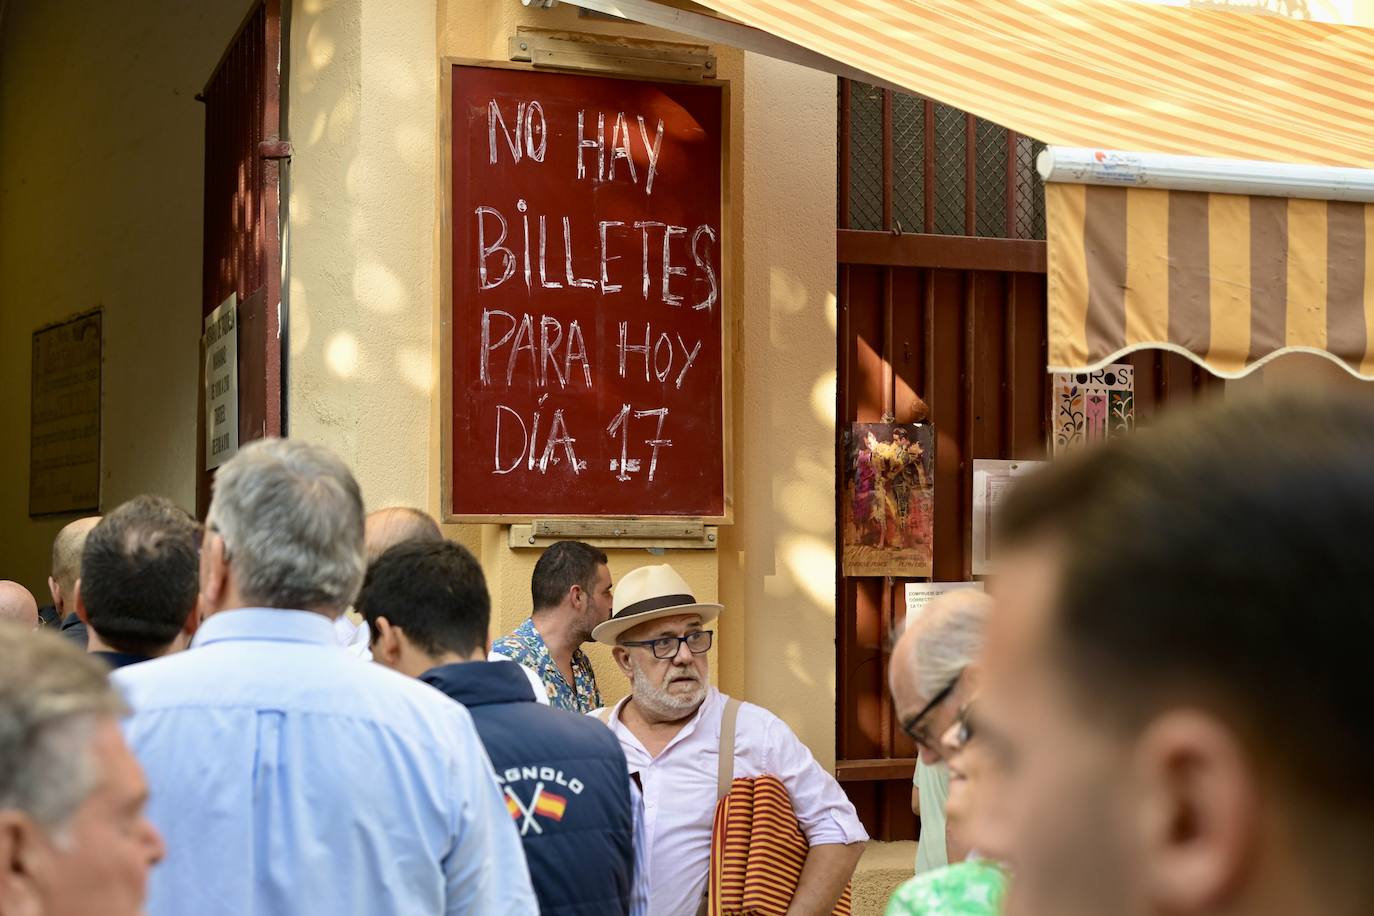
(1159, 707)
(297, 709)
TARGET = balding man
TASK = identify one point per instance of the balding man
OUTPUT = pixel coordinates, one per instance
(382, 530)
(17, 605)
(66, 569)
(385, 528)
(933, 674)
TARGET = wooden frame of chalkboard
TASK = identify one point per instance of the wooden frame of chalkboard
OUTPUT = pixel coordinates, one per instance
(451, 68)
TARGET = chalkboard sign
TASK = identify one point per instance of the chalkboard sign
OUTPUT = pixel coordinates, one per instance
(584, 294)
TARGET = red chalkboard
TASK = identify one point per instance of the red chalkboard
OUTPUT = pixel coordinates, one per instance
(584, 297)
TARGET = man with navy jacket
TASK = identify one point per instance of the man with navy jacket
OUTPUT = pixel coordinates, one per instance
(563, 776)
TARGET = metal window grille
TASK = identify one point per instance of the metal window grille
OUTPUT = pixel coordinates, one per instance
(917, 165)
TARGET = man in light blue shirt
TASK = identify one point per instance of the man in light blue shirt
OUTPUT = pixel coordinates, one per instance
(288, 777)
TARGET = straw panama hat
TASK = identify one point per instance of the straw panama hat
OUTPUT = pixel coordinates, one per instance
(648, 593)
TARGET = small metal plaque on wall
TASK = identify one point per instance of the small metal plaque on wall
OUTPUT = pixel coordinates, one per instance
(64, 428)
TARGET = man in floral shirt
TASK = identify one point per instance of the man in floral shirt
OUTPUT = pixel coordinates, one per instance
(571, 589)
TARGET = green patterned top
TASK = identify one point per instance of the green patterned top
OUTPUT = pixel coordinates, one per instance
(973, 888)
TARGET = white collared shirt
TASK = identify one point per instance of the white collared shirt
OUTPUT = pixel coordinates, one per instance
(680, 794)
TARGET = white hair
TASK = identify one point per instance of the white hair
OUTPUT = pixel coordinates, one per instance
(291, 516)
(52, 697)
(950, 638)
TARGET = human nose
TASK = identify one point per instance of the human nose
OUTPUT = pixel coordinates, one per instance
(152, 840)
(683, 655)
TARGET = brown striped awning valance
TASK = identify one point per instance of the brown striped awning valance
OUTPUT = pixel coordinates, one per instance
(1227, 280)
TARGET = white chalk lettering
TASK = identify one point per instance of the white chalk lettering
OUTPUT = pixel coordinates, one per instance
(568, 260)
(536, 152)
(644, 226)
(487, 346)
(485, 251)
(577, 353)
(691, 358)
(654, 149)
(606, 285)
(620, 424)
(544, 280)
(599, 144)
(524, 441)
(558, 435)
(663, 343)
(522, 207)
(620, 148)
(526, 333)
(669, 271)
(627, 466)
(658, 440)
(704, 262)
(494, 116)
(548, 350)
(626, 347)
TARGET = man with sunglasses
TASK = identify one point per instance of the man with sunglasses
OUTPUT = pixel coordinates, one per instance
(932, 676)
(670, 729)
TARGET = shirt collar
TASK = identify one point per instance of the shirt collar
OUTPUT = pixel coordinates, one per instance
(269, 624)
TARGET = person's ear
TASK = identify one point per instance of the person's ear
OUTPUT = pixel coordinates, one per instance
(214, 570)
(193, 619)
(23, 865)
(1199, 807)
(622, 658)
(56, 591)
(386, 643)
(80, 601)
(577, 597)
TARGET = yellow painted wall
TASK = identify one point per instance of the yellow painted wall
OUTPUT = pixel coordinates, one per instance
(364, 281)
(101, 161)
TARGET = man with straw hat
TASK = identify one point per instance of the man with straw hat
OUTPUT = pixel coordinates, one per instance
(673, 728)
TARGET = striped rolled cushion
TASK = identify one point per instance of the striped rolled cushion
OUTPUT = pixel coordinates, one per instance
(757, 852)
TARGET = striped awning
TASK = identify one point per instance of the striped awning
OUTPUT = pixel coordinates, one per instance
(1227, 280)
(1109, 73)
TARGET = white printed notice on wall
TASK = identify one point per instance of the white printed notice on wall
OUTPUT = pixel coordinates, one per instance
(992, 480)
(221, 383)
(919, 594)
(64, 442)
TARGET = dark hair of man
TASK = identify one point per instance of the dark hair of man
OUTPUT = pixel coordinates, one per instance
(436, 594)
(1221, 560)
(563, 565)
(140, 574)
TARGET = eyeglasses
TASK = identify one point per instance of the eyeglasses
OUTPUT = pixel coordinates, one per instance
(967, 726)
(912, 726)
(669, 646)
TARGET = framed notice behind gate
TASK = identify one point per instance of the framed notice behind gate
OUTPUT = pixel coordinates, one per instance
(584, 286)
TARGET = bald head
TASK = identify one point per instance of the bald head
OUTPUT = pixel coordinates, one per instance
(930, 669)
(939, 644)
(388, 527)
(17, 605)
(66, 560)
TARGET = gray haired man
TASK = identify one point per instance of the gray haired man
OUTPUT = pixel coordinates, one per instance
(291, 777)
(73, 836)
(933, 674)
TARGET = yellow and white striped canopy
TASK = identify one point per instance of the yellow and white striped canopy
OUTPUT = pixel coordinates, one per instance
(1109, 73)
(1227, 280)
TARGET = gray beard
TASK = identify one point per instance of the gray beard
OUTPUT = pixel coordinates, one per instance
(656, 701)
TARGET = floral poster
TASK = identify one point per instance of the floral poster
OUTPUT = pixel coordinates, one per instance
(1091, 406)
(889, 499)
